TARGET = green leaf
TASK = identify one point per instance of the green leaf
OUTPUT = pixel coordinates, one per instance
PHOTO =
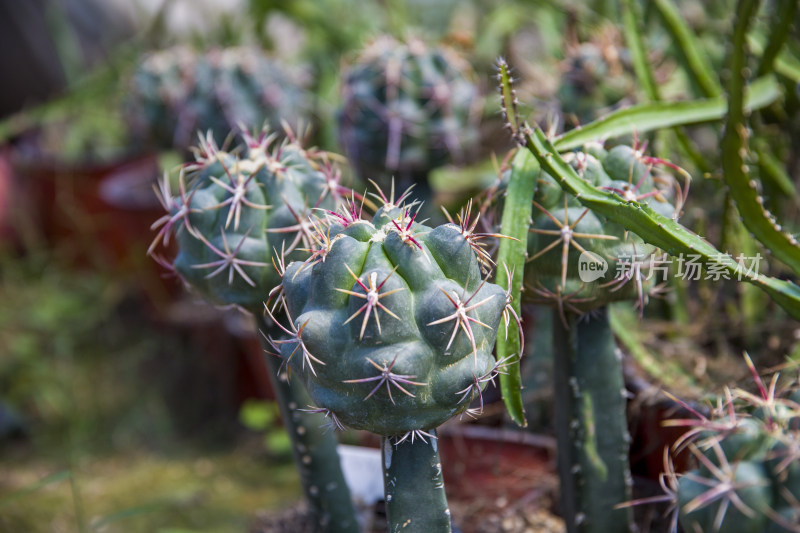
(633, 37)
(744, 188)
(512, 253)
(697, 63)
(656, 115)
(653, 227)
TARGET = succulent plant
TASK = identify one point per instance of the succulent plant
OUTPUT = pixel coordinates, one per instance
(596, 76)
(394, 329)
(177, 91)
(747, 451)
(579, 262)
(407, 108)
(233, 211)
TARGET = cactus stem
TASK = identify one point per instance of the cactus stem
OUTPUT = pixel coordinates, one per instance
(228, 259)
(388, 377)
(461, 316)
(372, 295)
(333, 423)
(562, 301)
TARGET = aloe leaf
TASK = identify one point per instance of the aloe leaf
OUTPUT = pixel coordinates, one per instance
(656, 115)
(512, 253)
(653, 227)
(695, 60)
(744, 188)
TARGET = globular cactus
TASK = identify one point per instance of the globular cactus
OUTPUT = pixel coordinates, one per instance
(395, 325)
(579, 262)
(234, 210)
(747, 451)
(394, 329)
(596, 76)
(177, 91)
(407, 109)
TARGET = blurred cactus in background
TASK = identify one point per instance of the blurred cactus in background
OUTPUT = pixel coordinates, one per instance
(596, 77)
(407, 109)
(177, 91)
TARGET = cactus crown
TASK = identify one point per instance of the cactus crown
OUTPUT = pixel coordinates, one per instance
(407, 108)
(177, 91)
(392, 326)
(578, 260)
(234, 209)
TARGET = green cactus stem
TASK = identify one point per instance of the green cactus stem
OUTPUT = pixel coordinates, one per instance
(414, 486)
(313, 446)
(591, 425)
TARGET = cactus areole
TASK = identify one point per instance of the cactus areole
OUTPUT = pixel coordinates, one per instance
(394, 325)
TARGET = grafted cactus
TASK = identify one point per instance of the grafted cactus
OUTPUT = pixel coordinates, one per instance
(407, 109)
(747, 451)
(393, 333)
(579, 262)
(233, 211)
(177, 91)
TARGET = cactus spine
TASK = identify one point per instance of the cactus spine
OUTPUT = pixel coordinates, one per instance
(394, 331)
(232, 210)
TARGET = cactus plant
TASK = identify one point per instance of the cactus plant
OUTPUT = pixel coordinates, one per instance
(746, 450)
(233, 209)
(579, 263)
(596, 76)
(177, 91)
(407, 108)
(393, 333)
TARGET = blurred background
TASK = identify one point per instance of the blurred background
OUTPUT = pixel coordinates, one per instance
(126, 404)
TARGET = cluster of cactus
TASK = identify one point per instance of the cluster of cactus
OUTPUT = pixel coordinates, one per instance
(407, 108)
(393, 330)
(233, 211)
(178, 91)
(747, 475)
(595, 77)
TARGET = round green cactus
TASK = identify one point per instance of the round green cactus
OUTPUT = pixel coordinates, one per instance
(235, 210)
(596, 76)
(177, 91)
(407, 109)
(393, 326)
(747, 477)
(579, 260)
